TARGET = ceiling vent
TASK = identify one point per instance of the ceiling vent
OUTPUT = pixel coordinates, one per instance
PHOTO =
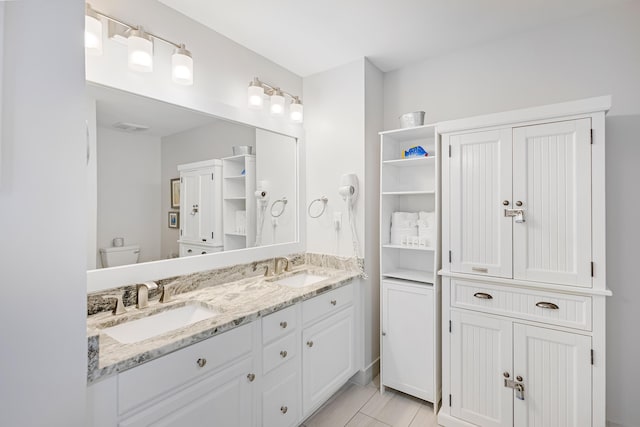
(130, 127)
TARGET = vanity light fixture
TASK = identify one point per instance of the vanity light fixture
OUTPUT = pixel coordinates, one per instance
(256, 94)
(139, 46)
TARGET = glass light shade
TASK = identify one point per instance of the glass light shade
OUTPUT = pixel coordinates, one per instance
(255, 97)
(277, 104)
(140, 49)
(296, 112)
(93, 35)
(182, 67)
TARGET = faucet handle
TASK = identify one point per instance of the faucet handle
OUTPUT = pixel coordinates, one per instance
(166, 294)
(119, 308)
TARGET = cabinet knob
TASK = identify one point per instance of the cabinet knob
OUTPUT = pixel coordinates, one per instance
(518, 203)
(309, 343)
(203, 253)
(283, 353)
(251, 377)
(384, 334)
(506, 374)
(284, 409)
(505, 202)
(519, 378)
(283, 325)
(333, 302)
(189, 251)
(201, 362)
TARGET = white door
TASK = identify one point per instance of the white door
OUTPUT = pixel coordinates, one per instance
(189, 206)
(556, 373)
(552, 181)
(480, 177)
(206, 205)
(223, 399)
(408, 338)
(327, 357)
(481, 351)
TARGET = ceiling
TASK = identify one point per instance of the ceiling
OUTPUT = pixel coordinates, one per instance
(163, 119)
(307, 37)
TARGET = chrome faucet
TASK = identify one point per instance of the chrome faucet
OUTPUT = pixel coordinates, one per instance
(167, 294)
(278, 264)
(143, 293)
(119, 308)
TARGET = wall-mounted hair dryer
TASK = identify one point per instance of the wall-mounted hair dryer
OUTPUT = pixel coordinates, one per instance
(348, 189)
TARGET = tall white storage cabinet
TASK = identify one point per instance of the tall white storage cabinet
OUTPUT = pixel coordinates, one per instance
(409, 261)
(524, 272)
(200, 207)
(239, 202)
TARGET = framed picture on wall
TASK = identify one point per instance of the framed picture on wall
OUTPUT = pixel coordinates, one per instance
(175, 193)
(174, 219)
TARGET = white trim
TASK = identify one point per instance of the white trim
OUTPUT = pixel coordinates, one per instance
(366, 375)
(2, 25)
(546, 112)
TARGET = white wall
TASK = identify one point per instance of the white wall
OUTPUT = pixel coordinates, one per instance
(213, 141)
(129, 191)
(43, 350)
(593, 55)
(343, 114)
(276, 163)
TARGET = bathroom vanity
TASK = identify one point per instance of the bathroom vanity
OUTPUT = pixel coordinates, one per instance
(273, 350)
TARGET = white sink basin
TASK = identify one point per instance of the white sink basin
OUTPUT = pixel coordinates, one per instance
(300, 280)
(157, 324)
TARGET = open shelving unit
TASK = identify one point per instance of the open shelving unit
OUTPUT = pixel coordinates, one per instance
(238, 188)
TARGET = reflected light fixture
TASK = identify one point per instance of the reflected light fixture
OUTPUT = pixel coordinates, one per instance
(139, 46)
(92, 31)
(255, 101)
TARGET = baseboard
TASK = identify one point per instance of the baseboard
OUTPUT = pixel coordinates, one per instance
(366, 375)
(447, 420)
(612, 424)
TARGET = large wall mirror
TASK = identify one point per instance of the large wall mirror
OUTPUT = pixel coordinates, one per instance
(167, 183)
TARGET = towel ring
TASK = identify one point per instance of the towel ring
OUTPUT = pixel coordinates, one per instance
(324, 201)
(284, 202)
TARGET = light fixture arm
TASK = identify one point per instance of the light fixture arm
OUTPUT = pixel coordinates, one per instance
(132, 27)
(271, 89)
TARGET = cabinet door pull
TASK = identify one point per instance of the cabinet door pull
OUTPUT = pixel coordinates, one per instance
(480, 269)
(189, 251)
(482, 295)
(333, 302)
(549, 305)
(201, 362)
(283, 353)
(309, 343)
(251, 377)
(283, 325)
(284, 409)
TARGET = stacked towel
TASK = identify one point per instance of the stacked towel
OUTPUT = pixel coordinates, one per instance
(413, 228)
(426, 228)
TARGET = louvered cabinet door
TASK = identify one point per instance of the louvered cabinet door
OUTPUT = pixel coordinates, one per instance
(552, 181)
(480, 183)
(481, 352)
(556, 370)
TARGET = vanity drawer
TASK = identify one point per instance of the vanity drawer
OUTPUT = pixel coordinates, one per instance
(279, 352)
(147, 381)
(190, 250)
(280, 404)
(327, 303)
(573, 311)
(279, 323)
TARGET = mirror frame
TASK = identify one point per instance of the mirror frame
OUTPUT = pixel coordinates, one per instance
(107, 278)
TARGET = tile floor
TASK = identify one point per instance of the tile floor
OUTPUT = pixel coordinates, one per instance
(363, 406)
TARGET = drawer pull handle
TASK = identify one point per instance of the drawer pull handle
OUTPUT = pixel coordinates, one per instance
(284, 409)
(333, 302)
(189, 251)
(309, 343)
(482, 295)
(480, 269)
(201, 362)
(283, 353)
(283, 325)
(251, 377)
(548, 305)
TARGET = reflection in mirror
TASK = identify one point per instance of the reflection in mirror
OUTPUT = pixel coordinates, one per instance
(171, 182)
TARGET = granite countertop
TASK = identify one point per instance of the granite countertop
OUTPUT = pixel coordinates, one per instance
(238, 303)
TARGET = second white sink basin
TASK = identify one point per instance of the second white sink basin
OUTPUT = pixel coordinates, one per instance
(300, 280)
(157, 324)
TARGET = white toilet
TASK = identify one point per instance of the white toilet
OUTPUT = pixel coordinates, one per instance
(123, 255)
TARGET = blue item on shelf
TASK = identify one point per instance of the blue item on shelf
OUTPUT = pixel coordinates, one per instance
(416, 151)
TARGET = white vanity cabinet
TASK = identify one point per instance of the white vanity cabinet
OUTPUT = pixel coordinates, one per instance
(524, 282)
(200, 207)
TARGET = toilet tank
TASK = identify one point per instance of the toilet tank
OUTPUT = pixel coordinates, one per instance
(123, 255)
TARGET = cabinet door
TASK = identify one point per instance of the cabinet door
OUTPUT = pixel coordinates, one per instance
(223, 399)
(552, 180)
(481, 180)
(556, 371)
(206, 212)
(327, 357)
(481, 351)
(408, 338)
(189, 206)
